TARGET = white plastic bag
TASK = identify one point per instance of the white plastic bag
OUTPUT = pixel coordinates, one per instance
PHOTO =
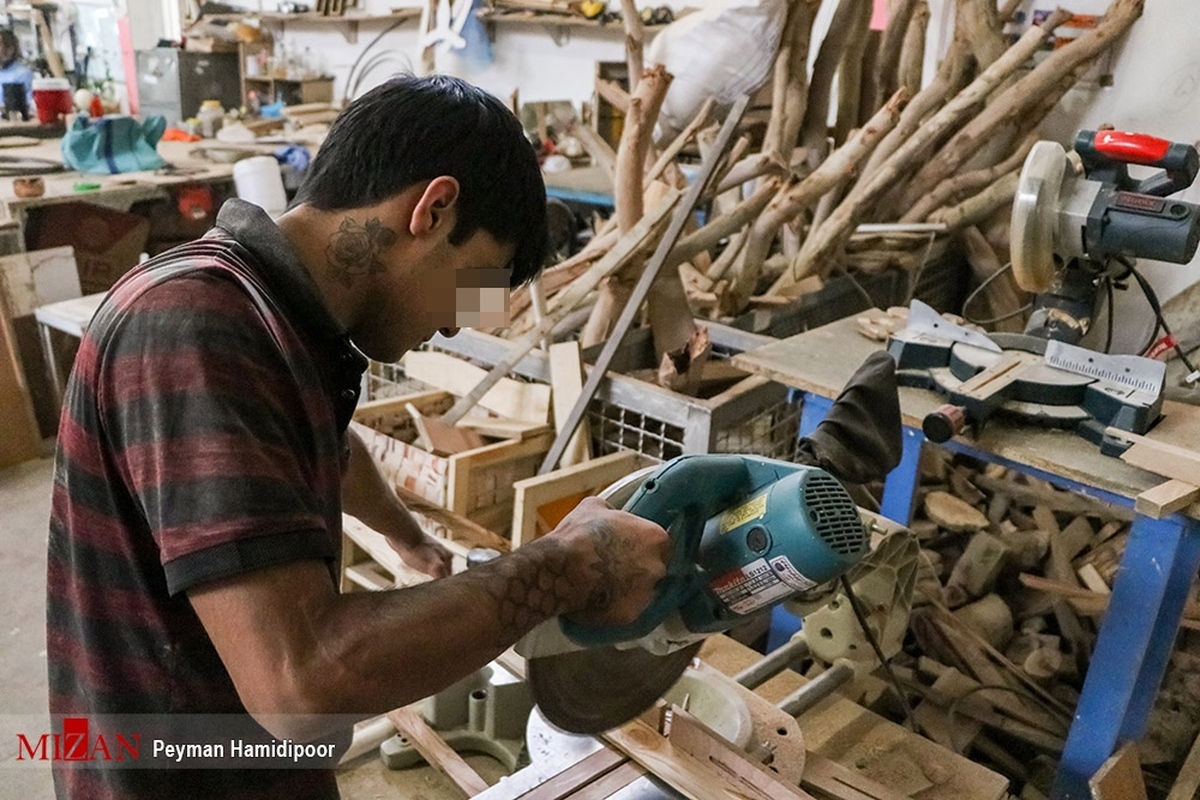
(724, 50)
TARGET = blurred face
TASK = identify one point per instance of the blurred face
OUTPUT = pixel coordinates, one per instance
(463, 286)
(8, 52)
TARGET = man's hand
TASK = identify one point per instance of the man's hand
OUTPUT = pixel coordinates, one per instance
(427, 555)
(626, 559)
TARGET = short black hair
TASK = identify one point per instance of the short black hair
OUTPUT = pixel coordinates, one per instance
(414, 129)
(9, 39)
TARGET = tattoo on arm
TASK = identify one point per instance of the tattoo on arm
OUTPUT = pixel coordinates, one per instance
(534, 585)
(354, 249)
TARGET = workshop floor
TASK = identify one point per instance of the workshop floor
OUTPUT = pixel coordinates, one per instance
(24, 510)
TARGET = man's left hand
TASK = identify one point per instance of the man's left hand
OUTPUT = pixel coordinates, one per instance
(428, 555)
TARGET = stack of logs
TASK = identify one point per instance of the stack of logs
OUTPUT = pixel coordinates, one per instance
(948, 153)
(1014, 577)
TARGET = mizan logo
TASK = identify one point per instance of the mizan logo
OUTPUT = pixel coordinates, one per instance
(76, 743)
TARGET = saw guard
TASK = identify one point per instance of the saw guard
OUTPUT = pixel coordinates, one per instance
(1034, 216)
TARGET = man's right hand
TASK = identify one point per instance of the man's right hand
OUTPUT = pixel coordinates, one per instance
(622, 559)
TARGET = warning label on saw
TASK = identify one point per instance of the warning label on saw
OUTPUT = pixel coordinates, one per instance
(788, 573)
(750, 588)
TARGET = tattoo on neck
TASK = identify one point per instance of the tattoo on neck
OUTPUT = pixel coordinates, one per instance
(354, 249)
(530, 588)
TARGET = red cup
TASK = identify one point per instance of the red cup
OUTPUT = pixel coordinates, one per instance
(52, 98)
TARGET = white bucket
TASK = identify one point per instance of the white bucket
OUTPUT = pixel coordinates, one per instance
(259, 181)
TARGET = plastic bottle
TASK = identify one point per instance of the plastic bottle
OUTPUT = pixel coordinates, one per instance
(211, 115)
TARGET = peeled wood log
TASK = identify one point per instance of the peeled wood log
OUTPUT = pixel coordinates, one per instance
(966, 184)
(748, 168)
(789, 93)
(636, 136)
(1024, 95)
(672, 150)
(983, 30)
(814, 132)
(600, 150)
(822, 243)
(976, 209)
(709, 236)
(1001, 295)
(850, 75)
(635, 39)
(911, 68)
(617, 97)
(900, 14)
(793, 200)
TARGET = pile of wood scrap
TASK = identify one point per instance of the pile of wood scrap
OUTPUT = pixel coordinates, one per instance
(924, 166)
(1014, 578)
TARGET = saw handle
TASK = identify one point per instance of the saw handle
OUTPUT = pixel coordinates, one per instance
(680, 496)
(1105, 155)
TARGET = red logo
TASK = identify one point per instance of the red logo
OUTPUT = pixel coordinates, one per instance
(76, 743)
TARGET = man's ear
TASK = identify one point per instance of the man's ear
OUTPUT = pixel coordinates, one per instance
(432, 207)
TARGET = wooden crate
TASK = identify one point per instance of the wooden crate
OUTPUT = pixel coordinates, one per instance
(755, 415)
(476, 484)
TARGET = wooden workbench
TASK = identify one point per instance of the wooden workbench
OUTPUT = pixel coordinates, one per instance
(820, 361)
(1157, 569)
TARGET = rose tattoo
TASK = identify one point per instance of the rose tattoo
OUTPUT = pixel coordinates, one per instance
(354, 249)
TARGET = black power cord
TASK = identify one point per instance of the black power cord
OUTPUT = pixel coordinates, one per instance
(1160, 321)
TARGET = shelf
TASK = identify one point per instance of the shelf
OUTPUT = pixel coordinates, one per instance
(347, 22)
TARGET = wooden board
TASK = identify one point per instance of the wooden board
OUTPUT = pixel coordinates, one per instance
(567, 486)
(439, 754)
(566, 380)
(21, 440)
(878, 749)
(1119, 778)
(509, 398)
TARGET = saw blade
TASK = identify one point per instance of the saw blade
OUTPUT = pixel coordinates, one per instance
(589, 691)
(1035, 216)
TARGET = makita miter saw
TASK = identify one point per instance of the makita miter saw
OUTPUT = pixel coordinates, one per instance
(1078, 222)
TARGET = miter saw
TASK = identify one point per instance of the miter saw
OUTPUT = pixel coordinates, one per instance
(1078, 222)
(747, 533)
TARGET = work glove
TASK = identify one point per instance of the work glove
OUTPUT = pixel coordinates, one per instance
(860, 439)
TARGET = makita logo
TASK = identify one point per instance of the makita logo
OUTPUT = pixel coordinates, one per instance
(76, 743)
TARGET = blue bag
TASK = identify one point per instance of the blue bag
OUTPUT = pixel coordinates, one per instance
(114, 144)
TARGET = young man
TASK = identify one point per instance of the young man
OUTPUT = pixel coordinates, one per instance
(13, 71)
(203, 460)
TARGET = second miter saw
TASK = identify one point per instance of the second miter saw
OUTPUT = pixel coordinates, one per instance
(747, 533)
(1078, 221)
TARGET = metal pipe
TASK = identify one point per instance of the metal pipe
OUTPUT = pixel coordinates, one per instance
(774, 662)
(839, 673)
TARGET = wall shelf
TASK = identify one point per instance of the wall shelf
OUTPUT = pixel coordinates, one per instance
(347, 23)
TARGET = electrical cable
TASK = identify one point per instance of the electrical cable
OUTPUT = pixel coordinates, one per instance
(370, 44)
(1160, 319)
(975, 293)
(1108, 312)
(861, 616)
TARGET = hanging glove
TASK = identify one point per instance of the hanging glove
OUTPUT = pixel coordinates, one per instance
(860, 438)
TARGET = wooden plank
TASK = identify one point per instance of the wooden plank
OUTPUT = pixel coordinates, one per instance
(443, 439)
(611, 783)
(1187, 782)
(509, 398)
(693, 737)
(1119, 778)
(844, 731)
(584, 479)
(578, 775)
(439, 754)
(566, 382)
(1167, 498)
(826, 776)
(29, 280)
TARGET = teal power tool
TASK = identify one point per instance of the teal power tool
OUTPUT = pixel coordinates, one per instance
(747, 533)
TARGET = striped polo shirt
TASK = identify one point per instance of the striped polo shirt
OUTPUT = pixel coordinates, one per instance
(202, 436)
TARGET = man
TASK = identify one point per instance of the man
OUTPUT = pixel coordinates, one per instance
(203, 463)
(12, 71)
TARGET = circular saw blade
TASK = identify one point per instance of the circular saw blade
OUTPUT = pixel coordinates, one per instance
(589, 691)
(1035, 214)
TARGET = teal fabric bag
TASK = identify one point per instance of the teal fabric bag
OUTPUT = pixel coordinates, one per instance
(114, 144)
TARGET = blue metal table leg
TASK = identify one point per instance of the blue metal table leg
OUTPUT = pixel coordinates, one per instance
(1135, 642)
(813, 410)
(900, 487)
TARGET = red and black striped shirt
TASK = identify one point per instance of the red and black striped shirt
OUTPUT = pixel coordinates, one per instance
(201, 437)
